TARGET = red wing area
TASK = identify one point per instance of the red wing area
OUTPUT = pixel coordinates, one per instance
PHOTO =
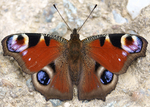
(36, 57)
(33, 51)
(109, 56)
(91, 82)
(60, 82)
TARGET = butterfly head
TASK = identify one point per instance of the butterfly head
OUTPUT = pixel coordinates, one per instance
(74, 35)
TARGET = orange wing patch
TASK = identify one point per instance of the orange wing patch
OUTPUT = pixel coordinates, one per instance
(109, 56)
(37, 57)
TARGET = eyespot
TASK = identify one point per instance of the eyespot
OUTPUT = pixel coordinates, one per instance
(106, 77)
(131, 43)
(17, 43)
(43, 78)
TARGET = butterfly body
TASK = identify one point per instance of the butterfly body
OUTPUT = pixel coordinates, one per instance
(56, 64)
(74, 57)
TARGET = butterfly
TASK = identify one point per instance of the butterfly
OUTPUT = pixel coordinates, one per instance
(92, 64)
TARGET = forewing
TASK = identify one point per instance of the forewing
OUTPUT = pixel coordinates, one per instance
(115, 51)
(33, 51)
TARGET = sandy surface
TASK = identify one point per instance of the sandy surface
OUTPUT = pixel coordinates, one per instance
(19, 16)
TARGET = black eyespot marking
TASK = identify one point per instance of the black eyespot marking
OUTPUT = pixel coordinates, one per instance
(33, 39)
(43, 78)
(47, 40)
(129, 38)
(102, 40)
(116, 39)
(20, 37)
(106, 77)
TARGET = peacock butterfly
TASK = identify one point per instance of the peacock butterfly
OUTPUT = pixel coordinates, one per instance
(92, 64)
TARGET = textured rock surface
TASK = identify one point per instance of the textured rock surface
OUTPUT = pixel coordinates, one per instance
(134, 7)
(16, 90)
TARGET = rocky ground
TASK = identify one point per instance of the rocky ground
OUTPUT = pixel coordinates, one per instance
(110, 16)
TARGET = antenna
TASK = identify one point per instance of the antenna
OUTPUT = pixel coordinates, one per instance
(66, 22)
(88, 17)
(62, 17)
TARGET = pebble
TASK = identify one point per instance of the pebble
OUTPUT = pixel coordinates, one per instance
(30, 85)
(118, 18)
(55, 102)
(69, 6)
(7, 83)
(134, 7)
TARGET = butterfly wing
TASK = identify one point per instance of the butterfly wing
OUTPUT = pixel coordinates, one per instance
(103, 56)
(53, 81)
(95, 80)
(115, 51)
(43, 55)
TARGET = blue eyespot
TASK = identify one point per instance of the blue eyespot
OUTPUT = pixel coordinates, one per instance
(106, 77)
(43, 78)
(17, 43)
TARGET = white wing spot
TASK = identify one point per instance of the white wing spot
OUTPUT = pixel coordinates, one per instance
(124, 53)
(24, 53)
(29, 59)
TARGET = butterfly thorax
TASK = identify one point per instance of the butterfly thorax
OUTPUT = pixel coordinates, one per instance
(74, 56)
